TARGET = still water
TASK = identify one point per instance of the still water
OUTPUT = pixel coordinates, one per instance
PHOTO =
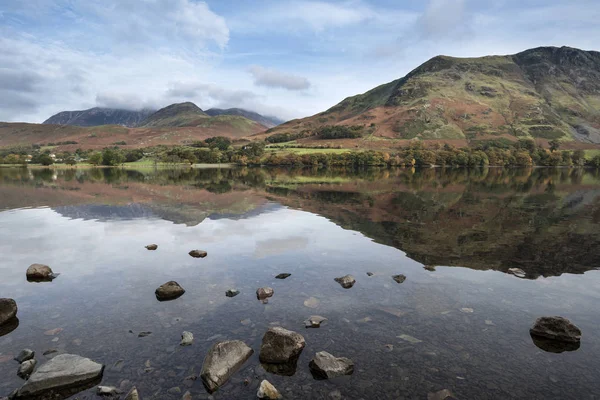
(460, 321)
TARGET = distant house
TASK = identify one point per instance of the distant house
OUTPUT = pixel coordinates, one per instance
(28, 158)
(53, 156)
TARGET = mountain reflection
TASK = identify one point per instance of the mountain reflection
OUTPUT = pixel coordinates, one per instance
(544, 221)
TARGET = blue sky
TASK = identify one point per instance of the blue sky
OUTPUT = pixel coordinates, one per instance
(288, 58)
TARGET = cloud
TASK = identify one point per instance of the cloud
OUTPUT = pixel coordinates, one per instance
(444, 19)
(275, 79)
(209, 92)
(125, 101)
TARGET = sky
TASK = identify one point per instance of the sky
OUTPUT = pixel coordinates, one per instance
(285, 58)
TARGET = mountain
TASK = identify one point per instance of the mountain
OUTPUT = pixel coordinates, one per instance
(543, 93)
(267, 121)
(180, 114)
(99, 116)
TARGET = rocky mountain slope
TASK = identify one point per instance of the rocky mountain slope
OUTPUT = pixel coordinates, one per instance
(267, 121)
(100, 116)
(544, 93)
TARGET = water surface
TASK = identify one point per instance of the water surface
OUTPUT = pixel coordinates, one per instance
(459, 321)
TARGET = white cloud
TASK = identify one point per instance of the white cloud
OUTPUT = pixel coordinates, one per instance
(444, 18)
(276, 79)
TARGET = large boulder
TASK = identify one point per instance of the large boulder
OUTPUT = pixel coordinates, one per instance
(326, 366)
(222, 361)
(346, 281)
(169, 291)
(40, 273)
(556, 328)
(280, 346)
(64, 371)
(8, 310)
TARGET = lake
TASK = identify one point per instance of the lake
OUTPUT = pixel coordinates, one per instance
(459, 322)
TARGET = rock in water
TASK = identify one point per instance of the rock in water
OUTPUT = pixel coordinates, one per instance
(169, 291)
(26, 369)
(280, 346)
(281, 276)
(232, 293)
(25, 355)
(370, 274)
(441, 395)
(222, 361)
(268, 391)
(62, 372)
(198, 253)
(107, 391)
(399, 278)
(518, 272)
(187, 338)
(326, 366)
(40, 273)
(346, 281)
(264, 293)
(152, 247)
(556, 328)
(314, 321)
(8, 310)
(133, 394)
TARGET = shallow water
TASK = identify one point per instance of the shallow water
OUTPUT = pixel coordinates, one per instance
(471, 318)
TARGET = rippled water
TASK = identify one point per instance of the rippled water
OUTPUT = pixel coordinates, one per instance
(470, 318)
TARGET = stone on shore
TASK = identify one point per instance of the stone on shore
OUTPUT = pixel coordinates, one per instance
(133, 394)
(268, 391)
(222, 361)
(8, 310)
(26, 369)
(40, 272)
(187, 338)
(169, 291)
(107, 391)
(327, 366)
(62, 372)
(282, 276)
(281, 346)
(556, 328)
(399, 278)
(232, 293)
(346, 281)
(264, 293)
(152, 247)
(25, 355)
(198, 253)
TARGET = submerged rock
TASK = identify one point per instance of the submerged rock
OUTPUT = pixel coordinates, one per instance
(152, 247)
(399, 278)
(556, 328)
(133, 394)
(265, 292)
(326, 366)
(222, 361)
(311, 302)
(282, 276)
(144, 334)
(518, 272)
(232, 293)
(430, 268)
(187, 338)
(8, 310)
(169, 291)
(346, 281)
(314, 321)
(370, 274)
(554, 346)
(198, 253)
(40, 273)
(268, 391)
(62, 372)
(25, 355)
(280, 346)
(26, 368)
(441, 395)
